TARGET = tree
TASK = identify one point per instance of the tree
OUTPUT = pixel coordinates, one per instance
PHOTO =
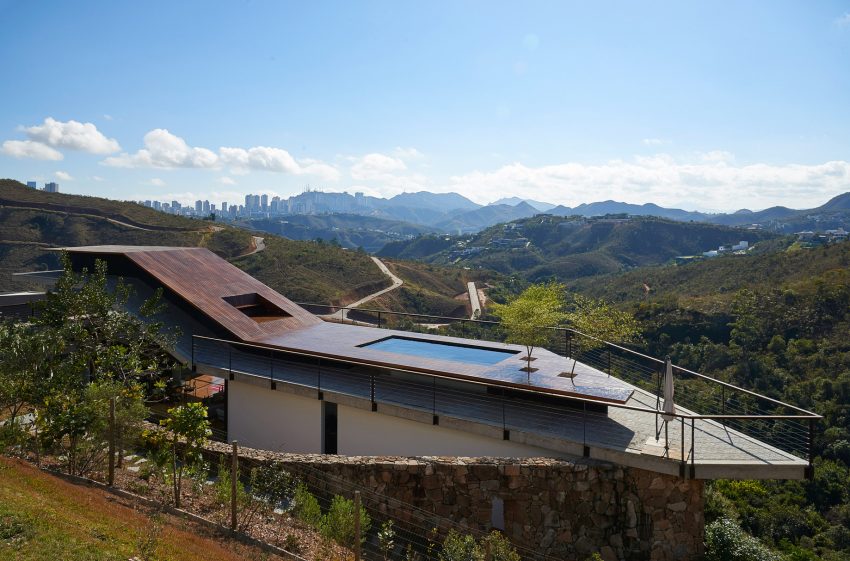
(188, 423)
(527, 317)
(601, 320)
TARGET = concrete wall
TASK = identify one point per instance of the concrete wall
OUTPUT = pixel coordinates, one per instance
(273, 420)
(282, 421)
(364, 433)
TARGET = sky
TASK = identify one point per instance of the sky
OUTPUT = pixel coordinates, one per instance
(699, 105)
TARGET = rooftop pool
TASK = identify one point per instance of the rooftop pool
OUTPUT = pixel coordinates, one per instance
(440, 351)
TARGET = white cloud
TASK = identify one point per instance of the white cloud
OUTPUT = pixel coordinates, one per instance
(653, 141)
(156, 182)
(227, 180)
(29, 149)
(843, 20)
(717, 156)
(164, 150)
(96, 178)
(63, 176)
(408, 154)
(72, 135)
(376, 167)
(716, 182)
(107, 116)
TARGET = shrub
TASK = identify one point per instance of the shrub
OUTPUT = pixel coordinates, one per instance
(306, 507)
(726, 541)
(500, 547)
(338, 523)
(460, 547)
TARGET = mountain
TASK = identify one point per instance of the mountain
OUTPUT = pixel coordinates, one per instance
(475, 220)
(513, 201)
(348, 230)
(32, 221)
(432, 201)
(613, 207)
(546, 246)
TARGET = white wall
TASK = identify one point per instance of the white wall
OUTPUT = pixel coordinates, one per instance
(259, 417)
(364, 433)
(276, 420)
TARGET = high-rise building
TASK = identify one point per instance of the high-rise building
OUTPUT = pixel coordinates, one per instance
(224, 208)
(175, 206)
(264, 202)
(51, 187)
(274, 206)
(157, 205)
(199, 207)
(32, 184)
(206, 207)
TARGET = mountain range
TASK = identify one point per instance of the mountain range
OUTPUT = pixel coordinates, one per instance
(456, 214)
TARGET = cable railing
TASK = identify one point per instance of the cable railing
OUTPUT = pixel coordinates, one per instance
(687, 436)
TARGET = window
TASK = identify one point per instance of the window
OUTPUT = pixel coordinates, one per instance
(256, 307)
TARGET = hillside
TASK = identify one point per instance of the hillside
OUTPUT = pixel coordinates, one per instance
(32, 221)
(547, 246)
(348, 230)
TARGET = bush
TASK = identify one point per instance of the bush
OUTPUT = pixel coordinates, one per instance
(460, 547)
(500, 547)
(338, 523)
(306, 507)
(726, 541)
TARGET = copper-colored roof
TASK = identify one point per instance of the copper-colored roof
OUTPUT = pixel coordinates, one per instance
(203, 279)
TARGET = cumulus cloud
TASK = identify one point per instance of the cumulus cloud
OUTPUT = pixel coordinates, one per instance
(29, 149)
(164, 150)
(376, 166)
(714, 182)
(408, 154)
(63, 176)
(72, 135)
(226, 180)
(156, 182)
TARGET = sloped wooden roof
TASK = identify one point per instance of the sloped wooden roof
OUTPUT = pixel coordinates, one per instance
(204, 280)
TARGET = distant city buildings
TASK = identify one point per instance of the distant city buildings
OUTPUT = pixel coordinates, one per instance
(51, 187)
(32, 184)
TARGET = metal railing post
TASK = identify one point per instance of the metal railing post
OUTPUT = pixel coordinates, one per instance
(319, 377)
(193, 353)
(693, 450)
(111, 477)
(372, 390)
(609, 361)
(436, 419)
(682, 457)
(811, 467)
(357, 538)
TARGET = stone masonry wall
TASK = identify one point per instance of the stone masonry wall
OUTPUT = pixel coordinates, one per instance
(565, 509)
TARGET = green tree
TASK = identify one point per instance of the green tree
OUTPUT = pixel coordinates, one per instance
(526, 317)
(187, 425)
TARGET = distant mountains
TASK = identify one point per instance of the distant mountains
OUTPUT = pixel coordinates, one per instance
(455, 214)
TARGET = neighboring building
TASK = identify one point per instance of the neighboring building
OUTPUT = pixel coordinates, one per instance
(51, 187)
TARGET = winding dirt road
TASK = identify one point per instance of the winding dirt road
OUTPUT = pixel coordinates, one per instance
(397, 282)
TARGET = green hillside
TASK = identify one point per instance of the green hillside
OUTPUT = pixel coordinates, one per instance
(32, 221)
(348, 230)
(545, 246)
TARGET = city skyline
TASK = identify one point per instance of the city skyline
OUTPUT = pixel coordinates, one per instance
(569, 104)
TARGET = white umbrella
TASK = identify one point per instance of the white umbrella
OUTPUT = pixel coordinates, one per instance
(669, 406)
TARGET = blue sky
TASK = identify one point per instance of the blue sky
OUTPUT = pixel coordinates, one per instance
(705, 105)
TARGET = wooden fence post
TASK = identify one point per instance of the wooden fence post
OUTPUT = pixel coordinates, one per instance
(356, 525)
(234, 479)
(111, 479)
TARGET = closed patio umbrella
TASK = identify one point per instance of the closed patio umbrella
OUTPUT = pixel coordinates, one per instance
(669, 406)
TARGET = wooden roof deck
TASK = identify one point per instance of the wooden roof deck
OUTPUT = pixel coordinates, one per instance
(206, 282)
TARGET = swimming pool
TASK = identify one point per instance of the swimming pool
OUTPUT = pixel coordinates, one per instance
(440, 351)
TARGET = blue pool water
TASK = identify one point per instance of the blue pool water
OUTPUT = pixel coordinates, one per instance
(440, 351)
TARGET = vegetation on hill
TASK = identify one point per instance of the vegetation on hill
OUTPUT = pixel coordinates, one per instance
(348, 230)
(548, 247)
(315, 272)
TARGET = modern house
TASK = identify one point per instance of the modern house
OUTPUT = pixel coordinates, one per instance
(296, 383)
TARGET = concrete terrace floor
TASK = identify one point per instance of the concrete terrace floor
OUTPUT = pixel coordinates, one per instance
(621, 436)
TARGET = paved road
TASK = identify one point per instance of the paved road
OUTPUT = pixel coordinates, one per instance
(473, 300)
(397, 282)
(259, 245)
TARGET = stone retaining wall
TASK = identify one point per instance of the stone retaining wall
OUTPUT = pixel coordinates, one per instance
(566, 509)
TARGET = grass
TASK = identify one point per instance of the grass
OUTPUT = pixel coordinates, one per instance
(43, 517)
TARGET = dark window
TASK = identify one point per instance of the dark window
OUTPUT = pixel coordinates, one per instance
(256, 307)
(329, 424)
